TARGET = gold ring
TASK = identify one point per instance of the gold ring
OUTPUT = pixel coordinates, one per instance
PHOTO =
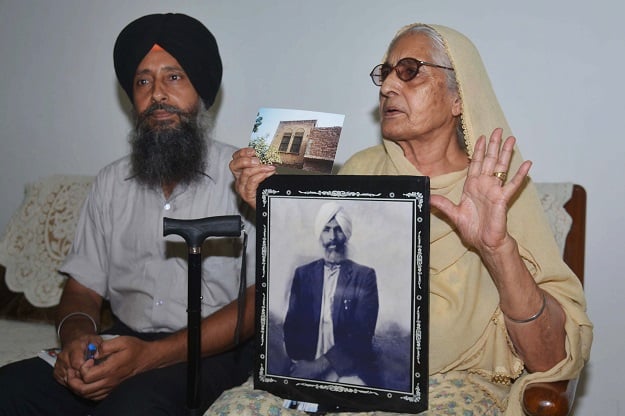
(502, 176)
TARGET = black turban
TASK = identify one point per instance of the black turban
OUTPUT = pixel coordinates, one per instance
(183, 37)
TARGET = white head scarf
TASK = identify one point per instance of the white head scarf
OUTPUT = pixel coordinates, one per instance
(331, 210)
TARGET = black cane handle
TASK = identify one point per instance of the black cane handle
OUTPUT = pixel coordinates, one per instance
(196, 231)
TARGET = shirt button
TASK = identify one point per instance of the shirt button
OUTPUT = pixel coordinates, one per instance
(159, 302)
(167, 206)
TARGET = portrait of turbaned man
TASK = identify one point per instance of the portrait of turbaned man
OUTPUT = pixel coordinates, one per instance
(340, 308)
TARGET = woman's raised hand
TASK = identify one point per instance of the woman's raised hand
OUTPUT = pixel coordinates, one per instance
(481, 215)
(248, 174)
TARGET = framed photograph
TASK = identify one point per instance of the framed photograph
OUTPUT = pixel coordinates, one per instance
(342, 292)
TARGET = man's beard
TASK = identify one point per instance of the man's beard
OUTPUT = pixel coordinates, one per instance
(165, 152)
(335, 251)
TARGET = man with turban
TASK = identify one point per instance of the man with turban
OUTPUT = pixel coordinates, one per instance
(169, 65)
(333, 309)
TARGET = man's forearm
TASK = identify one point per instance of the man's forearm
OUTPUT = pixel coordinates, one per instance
(78, 312)
(217, 332)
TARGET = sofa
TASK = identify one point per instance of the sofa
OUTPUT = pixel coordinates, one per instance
(33, 245)
(39, 235)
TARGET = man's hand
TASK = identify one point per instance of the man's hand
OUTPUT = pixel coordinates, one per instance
(72, 358)
(118, 359)
(310, 369)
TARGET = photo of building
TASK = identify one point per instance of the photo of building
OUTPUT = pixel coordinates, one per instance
(297, 139)
(303, 145)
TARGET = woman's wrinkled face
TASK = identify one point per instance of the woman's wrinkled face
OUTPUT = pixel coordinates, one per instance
(422, 107)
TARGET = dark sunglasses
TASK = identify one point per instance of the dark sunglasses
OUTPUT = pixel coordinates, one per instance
(406, 69)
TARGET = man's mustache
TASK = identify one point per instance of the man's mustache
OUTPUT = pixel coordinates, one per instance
(161, 107)
(337, 244)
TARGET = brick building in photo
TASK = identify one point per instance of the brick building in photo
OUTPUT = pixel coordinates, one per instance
(303, 145)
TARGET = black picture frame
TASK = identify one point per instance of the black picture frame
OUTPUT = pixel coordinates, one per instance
(389, 231)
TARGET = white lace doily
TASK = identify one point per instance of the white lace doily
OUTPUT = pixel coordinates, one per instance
(553, 197)
(39, 236)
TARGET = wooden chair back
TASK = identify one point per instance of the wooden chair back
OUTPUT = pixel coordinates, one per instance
(556, 398)
(575, 247)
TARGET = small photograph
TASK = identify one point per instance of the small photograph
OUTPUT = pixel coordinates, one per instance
(297, 140)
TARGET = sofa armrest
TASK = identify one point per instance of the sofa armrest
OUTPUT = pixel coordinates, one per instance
(549, 399)
(15, 306)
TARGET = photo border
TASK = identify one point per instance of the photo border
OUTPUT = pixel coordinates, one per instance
(334, 396)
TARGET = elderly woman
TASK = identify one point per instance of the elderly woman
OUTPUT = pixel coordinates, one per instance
(505, 309)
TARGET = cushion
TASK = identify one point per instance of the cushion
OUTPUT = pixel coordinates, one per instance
(36, 241)
(21, 340)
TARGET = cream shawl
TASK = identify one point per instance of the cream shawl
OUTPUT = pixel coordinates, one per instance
(467, 329)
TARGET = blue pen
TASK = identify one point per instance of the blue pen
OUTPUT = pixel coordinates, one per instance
(90, 352)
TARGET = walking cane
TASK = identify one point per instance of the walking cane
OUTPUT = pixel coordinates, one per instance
(194, 233)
